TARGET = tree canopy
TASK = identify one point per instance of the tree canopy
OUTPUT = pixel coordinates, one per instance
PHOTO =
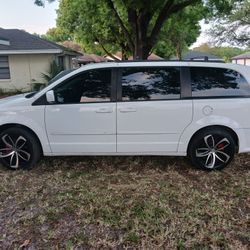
(56, 35)
(233, 27)
(135, 27)
(179, 33)
(223, 52)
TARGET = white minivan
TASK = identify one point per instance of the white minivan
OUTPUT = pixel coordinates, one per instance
(198, 109)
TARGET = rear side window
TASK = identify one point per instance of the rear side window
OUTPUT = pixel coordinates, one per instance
(212, 82)
(140, 84)
(90, 86)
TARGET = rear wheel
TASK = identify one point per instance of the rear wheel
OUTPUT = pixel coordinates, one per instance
(212, 149)
(19, 148)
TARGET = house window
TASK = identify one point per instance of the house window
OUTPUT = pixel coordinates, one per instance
(61, 62)
(4, 67)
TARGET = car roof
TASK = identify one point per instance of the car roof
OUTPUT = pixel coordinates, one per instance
(245, 70)
(161, 63)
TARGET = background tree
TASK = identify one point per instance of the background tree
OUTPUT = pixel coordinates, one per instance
(73, 46)
(57, 35)
(133, 25)
(54, 70)
(233, 26)
(92, 24)
(42, 2)
(179, 33)
(223, 52)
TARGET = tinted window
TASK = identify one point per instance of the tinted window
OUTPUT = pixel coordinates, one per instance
(150, 84)
(90, 86)
(60, 75)
(217, 82)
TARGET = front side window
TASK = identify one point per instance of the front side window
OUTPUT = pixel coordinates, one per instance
(4, 67)
(87, 87)
(209, 82)
(140, 84)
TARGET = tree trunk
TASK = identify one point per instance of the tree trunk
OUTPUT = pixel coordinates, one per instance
(124, 55)
(179, 51)
(142, 46)
(138, 40)
(141, 51)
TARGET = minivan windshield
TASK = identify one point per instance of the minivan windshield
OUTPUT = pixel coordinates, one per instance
(57, 77)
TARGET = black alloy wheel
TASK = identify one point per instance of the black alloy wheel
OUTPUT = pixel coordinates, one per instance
(19, 149)
(212, 149)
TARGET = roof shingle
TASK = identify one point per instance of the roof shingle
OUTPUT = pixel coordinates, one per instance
(242, 56)
(22, 40)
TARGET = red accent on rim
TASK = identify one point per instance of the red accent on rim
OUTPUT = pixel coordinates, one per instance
(221, 146)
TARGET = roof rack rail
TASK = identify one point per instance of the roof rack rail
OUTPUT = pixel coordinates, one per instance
(186, 60)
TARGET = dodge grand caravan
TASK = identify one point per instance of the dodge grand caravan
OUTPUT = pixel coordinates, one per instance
(198, 109)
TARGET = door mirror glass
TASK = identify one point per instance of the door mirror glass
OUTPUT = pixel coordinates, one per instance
(50, 97)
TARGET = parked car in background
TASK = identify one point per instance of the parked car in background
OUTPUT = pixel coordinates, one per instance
(198, 109)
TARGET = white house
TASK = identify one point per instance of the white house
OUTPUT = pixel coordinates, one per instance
(24, 57)
(242, 59)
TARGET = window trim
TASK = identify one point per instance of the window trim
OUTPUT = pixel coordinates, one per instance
(119, 84)
(119, 88)
(116, 87)
(219, 96)
(186, 90)
(42, 99)
(114, 77)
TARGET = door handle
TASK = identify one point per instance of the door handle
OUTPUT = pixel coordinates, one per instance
(104, 110)
(127, 110)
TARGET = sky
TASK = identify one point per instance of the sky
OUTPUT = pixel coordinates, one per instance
(24, 14)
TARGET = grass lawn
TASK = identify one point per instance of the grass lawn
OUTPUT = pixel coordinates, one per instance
(125, 202)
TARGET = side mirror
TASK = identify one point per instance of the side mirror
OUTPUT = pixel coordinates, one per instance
(50, 96)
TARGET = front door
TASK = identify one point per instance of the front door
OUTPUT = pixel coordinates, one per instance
(150, 115)
(83, 118)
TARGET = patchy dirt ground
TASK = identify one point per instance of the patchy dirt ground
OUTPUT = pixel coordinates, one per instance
(125, 203)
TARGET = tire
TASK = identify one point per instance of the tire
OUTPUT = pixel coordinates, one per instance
(212, 149)
(19, 149)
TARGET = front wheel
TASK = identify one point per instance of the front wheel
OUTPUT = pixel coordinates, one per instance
(212, 149)
(19, 148)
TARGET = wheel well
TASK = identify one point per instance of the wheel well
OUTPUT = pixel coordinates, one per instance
(15, 125)
(229, 130)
